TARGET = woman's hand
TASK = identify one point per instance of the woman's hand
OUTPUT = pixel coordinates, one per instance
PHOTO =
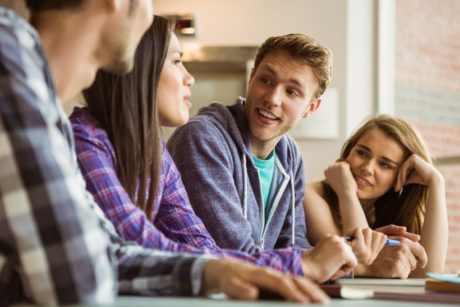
(398, 231)
(366, 244)
(416, 170)
(340, 178)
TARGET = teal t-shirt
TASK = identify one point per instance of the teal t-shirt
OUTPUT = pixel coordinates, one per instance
(266, 169)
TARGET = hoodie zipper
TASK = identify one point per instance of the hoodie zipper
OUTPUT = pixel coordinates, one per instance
(275, 203)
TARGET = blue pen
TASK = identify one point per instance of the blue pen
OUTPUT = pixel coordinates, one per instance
(389, 242)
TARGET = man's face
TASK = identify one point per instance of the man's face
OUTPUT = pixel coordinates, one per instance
(134, 18)
(280, 94)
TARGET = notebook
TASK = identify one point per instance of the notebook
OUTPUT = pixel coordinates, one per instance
(348, 292)
(426, 296)
(442, 283)
(389, 289)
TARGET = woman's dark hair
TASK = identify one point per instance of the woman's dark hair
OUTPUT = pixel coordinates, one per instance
(126, 108)
(406, 208)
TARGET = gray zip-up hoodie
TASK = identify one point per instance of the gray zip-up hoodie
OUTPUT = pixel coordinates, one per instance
(213, 154)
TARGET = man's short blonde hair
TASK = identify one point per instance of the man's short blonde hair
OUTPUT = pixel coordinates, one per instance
(303, 49)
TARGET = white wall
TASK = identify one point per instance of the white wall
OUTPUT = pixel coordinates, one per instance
(347, 27)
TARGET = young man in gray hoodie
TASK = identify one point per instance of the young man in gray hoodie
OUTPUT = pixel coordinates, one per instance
(243, 173)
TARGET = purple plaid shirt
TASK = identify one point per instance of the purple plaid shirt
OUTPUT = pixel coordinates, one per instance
(175, 226)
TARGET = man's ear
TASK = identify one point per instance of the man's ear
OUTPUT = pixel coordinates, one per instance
(114, 5)
(312, 107)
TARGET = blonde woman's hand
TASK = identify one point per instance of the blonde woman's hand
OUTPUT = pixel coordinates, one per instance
(399, 231)
(396, 261)
(366, 244)
(340, 178)
(392, 262)
(416, 170)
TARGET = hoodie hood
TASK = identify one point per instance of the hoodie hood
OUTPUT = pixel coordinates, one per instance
(222, 115)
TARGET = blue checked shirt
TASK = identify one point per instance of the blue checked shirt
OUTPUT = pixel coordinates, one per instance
(56, 246)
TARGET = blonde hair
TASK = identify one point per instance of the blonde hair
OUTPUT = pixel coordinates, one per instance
(406, 208)
(304, 49)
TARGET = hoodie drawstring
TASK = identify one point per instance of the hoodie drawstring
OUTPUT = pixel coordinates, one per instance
(245, 189)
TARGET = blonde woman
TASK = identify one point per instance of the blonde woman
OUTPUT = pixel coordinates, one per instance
(384, 176)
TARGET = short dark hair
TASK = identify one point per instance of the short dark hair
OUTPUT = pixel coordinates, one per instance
(43, 5)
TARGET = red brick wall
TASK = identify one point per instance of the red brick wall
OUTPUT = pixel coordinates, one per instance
(428, 90)
(452, 175)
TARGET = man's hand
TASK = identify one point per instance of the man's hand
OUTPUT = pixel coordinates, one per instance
(244, 281)
(330, 258)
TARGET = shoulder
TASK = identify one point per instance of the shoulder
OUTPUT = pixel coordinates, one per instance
(314, 192)
(288, 152)
(168, 167)
(23, 62)
(199, 129)
(199, 122)
(293, 146)
(315, 187)
(314, 199)
(13, 26)
(88, 130)
(20, 43)
(84, 124)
